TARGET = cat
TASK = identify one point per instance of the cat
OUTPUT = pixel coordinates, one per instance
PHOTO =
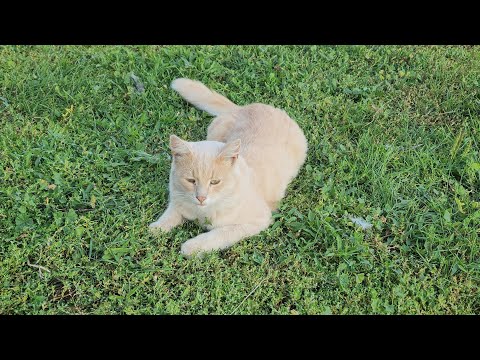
(232, 181)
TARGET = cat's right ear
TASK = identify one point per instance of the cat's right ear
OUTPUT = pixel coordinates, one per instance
(230, 151)
(178, 146)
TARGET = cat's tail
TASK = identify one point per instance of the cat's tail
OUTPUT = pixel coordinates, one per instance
(202, 97)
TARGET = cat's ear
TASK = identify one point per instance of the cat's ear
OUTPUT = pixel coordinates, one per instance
(230, 151)
(178, 146)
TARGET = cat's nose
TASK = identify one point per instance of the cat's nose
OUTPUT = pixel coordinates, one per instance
(201, 198)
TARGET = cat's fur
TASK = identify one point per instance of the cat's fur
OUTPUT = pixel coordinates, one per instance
(254, 150)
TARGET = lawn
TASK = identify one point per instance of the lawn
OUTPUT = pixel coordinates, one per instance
(394, 139)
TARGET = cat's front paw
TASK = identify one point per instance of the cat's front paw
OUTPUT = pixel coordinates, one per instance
(192, 247)
(158, 226)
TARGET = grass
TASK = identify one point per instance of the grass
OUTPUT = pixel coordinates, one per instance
(394, 138)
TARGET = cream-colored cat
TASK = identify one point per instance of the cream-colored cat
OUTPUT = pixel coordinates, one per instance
(233, 181)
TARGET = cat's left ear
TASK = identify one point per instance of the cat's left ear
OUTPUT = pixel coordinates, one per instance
(230, 151)
(178, 146)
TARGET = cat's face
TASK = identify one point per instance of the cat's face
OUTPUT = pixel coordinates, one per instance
(203, 172)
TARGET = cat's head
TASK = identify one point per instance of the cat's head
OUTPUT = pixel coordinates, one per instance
(203, 172)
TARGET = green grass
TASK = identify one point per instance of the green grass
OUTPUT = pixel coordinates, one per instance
(394, 138)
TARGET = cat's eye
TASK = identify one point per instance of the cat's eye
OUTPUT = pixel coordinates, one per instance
(214, 182)
(191, 181)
